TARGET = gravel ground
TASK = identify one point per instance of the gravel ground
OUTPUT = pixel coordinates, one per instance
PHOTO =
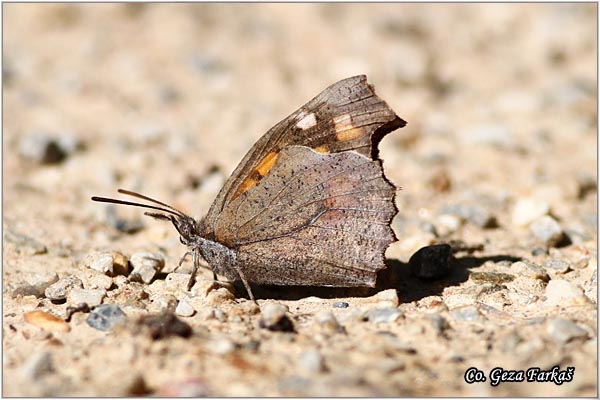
(498, 160)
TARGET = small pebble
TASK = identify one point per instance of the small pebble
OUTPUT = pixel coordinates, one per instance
(328, 323)
(222, 346)
(274, 318)
(563, 330)
(529, 270)
(431, 262)
(99, 281)
(91, 297)
(446, 224)
(220, 315)
(547, 230)
(557, 266)
(386, 298)
(438, 322)
(24, 243)
(121, 224)
(341, 304)
(44, 148)
(101, 262)
(528, 209)
(105, 317)
(561, 293)
(472, 213)
(111, 263)
(184, 309)
(36, 284)
(46, 321)
(217, 297)
(466, 314)
(491, 277)
(312, 362)
(58, 291)
(539, 251)
(389, 314)
(146, 266)
(37, 365)
(163, 325)
(161, 302)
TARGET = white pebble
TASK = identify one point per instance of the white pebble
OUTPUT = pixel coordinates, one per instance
(184, 309)
(528, 209)
(92, 297)
(562, 293)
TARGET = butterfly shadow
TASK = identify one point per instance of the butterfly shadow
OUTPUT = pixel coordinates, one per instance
(396, 276)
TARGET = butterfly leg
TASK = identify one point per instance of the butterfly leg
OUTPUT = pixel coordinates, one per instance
(187, 253)
(245, 282)
(196, 260)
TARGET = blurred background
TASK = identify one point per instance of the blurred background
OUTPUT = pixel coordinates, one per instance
(165, 99)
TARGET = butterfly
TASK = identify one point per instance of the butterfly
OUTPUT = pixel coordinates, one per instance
(309, 204)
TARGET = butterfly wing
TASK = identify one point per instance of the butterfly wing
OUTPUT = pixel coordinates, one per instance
(348, 115)
(315, 219)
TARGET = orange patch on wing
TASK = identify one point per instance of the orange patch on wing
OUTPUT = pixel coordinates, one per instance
(323, 149)
(344, 130)
(261, 169)
(265, 165)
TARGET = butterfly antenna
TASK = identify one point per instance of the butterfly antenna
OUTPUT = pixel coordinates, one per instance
(130, 203)
(141, 196)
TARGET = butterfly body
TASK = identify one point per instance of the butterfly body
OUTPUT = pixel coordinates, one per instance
(309, 204)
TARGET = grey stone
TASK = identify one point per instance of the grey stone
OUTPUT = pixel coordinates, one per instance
(36, 284)
(384, 315)
(105, 317)
(547, 230)
(563, 330)
(59, 290)
(24, 243)
(466, 314)
(340, 304)
(529, 270)
(475, 214)
(557, 266)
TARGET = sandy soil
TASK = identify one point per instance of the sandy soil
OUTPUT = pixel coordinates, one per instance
(499, 154)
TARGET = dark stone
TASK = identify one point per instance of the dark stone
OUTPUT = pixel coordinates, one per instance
(431, 262)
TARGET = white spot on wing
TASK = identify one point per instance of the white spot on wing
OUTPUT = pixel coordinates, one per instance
(306, 121)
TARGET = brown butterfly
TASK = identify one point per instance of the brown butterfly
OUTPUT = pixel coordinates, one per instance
(308, 205)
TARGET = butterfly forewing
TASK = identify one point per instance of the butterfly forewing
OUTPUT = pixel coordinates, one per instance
(345, 116)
